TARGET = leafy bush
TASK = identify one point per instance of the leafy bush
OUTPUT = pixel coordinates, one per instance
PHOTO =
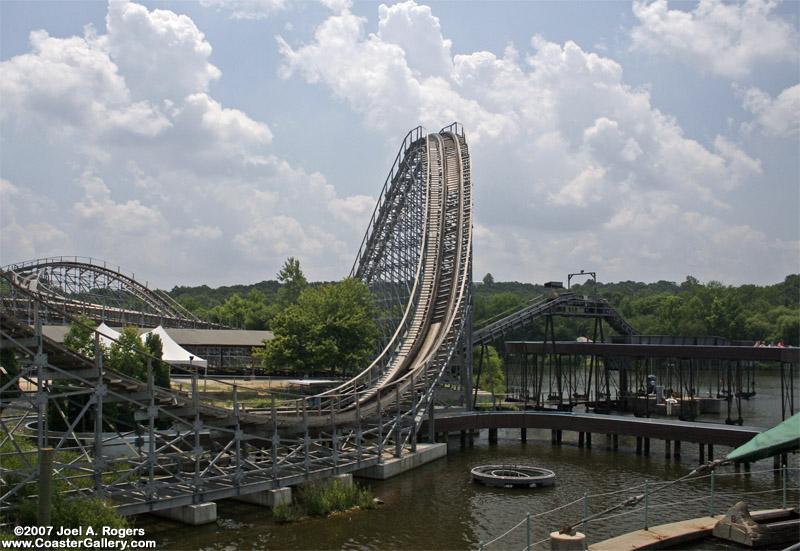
(74, 513)
(68, 511)
(286, 513)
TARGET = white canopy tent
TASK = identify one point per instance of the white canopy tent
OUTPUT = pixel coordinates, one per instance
(105, 332)
(173, 353)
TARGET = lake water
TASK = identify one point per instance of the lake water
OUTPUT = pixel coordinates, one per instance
(438, 507)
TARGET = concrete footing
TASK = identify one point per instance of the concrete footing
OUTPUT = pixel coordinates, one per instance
(268, 498)
(567, 542)
(193, 515)
(393, 466)
(346, 480)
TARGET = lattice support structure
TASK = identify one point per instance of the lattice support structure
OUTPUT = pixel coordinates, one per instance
(149, 448)
(73, 286)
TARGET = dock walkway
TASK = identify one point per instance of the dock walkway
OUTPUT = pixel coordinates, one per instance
(668, 536)
(661, 429)
(660, 537)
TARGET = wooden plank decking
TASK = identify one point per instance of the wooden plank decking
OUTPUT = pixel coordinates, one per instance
(667, 536)
(660, 537)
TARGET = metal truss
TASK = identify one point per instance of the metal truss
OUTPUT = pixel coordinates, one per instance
(73, 286)
(615, 376)
(565, 304)
(149, 448)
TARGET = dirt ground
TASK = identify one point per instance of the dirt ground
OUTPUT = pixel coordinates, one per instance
(227, 384)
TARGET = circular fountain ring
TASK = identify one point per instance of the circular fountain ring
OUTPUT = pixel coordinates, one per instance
(513, 476)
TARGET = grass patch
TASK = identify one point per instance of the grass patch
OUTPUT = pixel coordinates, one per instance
(321, 498)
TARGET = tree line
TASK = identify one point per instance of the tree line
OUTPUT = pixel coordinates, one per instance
(327, 328)
(769, 313)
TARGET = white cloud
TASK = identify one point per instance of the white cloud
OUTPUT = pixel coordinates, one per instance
(778, 117)
(100, 212)
(727, 39)
(417, 31)
(355, 210)
(374, 77)
(164, 177)
(159, 172)
(337, 6)
(284, 236)
(162, 55)
(206, 233)
(23, 234)
(247, 9)
(561, 142)
(64, 84)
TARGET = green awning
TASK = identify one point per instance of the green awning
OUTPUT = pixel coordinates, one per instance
(782, 438)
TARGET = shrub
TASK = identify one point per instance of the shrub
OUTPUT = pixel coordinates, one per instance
(286, 513)
(321, 498)
(74, 512)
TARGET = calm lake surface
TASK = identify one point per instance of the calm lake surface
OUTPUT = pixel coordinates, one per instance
(437, 506)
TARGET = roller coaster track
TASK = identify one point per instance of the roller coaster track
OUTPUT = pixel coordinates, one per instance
(416, 258)
(76, 286)
(568, 304)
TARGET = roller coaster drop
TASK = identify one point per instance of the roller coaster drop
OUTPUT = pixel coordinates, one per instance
(416, 258)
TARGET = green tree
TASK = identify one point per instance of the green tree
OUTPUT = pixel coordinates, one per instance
(330, 328)
(293, 282)
(490, 367)
(80, 337)
(233, 312)
(160, 369)
(789, 330)
(126, 355)
(257, 313)
(9, 368)
(726, 318)
(488, 280)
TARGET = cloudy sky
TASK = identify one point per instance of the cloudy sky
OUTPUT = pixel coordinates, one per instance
(206, 142)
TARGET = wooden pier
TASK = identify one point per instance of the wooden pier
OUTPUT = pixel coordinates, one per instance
(706, 435)
(669, 536)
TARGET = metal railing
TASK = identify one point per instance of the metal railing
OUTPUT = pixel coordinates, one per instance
(643, 493)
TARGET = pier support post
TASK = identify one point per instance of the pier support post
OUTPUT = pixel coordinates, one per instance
(567, 542)
(711, 452)
(45, 486)
(346, 480)
(523, 434)
(581, 436)
(588, 439)
(608, 442)
(615, 441)
(647, 447)
(463, 438)
(702, 453)
(553, 436)
(431, 423)
(677, 449)
(638, 445)
(667, 451)
(558, 436)
(493, 436)
(193, 515)
(271, 498)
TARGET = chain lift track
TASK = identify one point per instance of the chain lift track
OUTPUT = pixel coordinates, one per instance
(416, 258)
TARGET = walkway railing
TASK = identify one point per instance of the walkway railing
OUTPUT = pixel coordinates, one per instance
(530, 527)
